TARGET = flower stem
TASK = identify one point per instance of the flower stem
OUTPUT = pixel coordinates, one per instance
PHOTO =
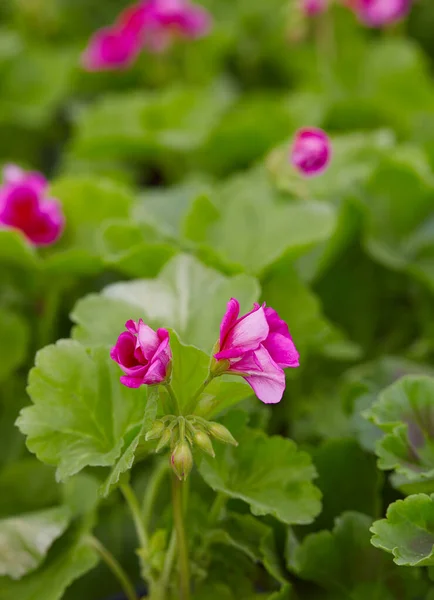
(178, 517)
(114, 566)
(193, 403)
(134, 507)
(160, 590)
(174, 398)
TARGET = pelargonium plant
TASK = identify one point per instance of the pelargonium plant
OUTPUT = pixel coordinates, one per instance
(164, 398)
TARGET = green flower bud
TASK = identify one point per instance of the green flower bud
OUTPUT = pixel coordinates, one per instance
(165, 439)
(181, 460)
(220, 433)
(203, 441)
(156, 431)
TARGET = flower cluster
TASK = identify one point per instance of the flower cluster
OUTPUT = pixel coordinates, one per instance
(148, 25)
(24, 205)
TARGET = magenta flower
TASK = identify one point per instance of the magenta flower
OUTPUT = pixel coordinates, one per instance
(143, 354)
(313, 7)
(111, 48)
(257, 346)
(379, 13)
(24, 206)
(311, 151)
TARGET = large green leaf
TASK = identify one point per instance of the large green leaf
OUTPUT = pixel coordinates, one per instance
(247, 225)
(138, 124)
(70, 558)
(344, 563)
(187, 296)
(81, 413)
(268, 473)
(405, 412)
(25, 539)
(408, 531)
(88, 203)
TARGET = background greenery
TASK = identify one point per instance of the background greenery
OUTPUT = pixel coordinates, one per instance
(181, 164)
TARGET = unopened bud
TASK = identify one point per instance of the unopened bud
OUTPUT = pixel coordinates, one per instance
(156, 431)
(164, 440)
(220, 433)
(181, 460)
(203, 441)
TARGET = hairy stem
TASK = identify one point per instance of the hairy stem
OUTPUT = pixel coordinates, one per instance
(114, 566)
(178, 517)
(217, 507)
(174, 398)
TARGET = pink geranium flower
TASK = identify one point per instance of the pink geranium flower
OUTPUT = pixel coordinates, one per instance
(257, 346)
(25, 206)
(151, 24)
(380, 13)
(311, 151)
(143, 354)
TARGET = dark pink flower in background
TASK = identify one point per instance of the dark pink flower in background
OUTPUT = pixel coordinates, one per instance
(380, 13)
(150, 25)
(143, 354)
(257, 346)
(311, 151)
(24, 205)
(313, 7)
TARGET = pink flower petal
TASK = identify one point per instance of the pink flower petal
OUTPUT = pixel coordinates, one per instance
(148, 340)
(131, 382)
(311, 151)
(265, 377)
(282, 350)
(229, 319)
(247, 333)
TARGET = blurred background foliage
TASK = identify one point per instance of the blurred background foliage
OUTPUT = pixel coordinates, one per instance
(188, 152)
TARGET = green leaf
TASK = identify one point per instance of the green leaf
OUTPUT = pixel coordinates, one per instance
(301, 309)
(175, 120)
(404, 412)
(253, 225)
(81, 414)
(126, 460)
(13, 342)
(14, 249)
(70, 558)
(344, 563)
(343, 465)
(187, 297)
(242, 532)
(27, 485)
(190, 370)
(408, 531)
(88, 204)
(26, 539)
(268, 473)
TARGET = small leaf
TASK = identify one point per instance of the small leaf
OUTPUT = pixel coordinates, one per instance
(408, 531)
(13, 341)
(187, 297)
(405, 412)
(81, 412)
(25, 539)
(268, 473)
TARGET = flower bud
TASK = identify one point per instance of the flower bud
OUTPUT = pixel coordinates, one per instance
(164, 440)
(203, 441)
(156, 431)
(181, 460)
(311, 151)
(220, 433)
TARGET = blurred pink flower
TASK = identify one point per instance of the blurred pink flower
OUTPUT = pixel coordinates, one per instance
(313, 7)
(151, 24)
(143, 354)
(24, 206)
(311, 151)
(379, 13)
(257, 346)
